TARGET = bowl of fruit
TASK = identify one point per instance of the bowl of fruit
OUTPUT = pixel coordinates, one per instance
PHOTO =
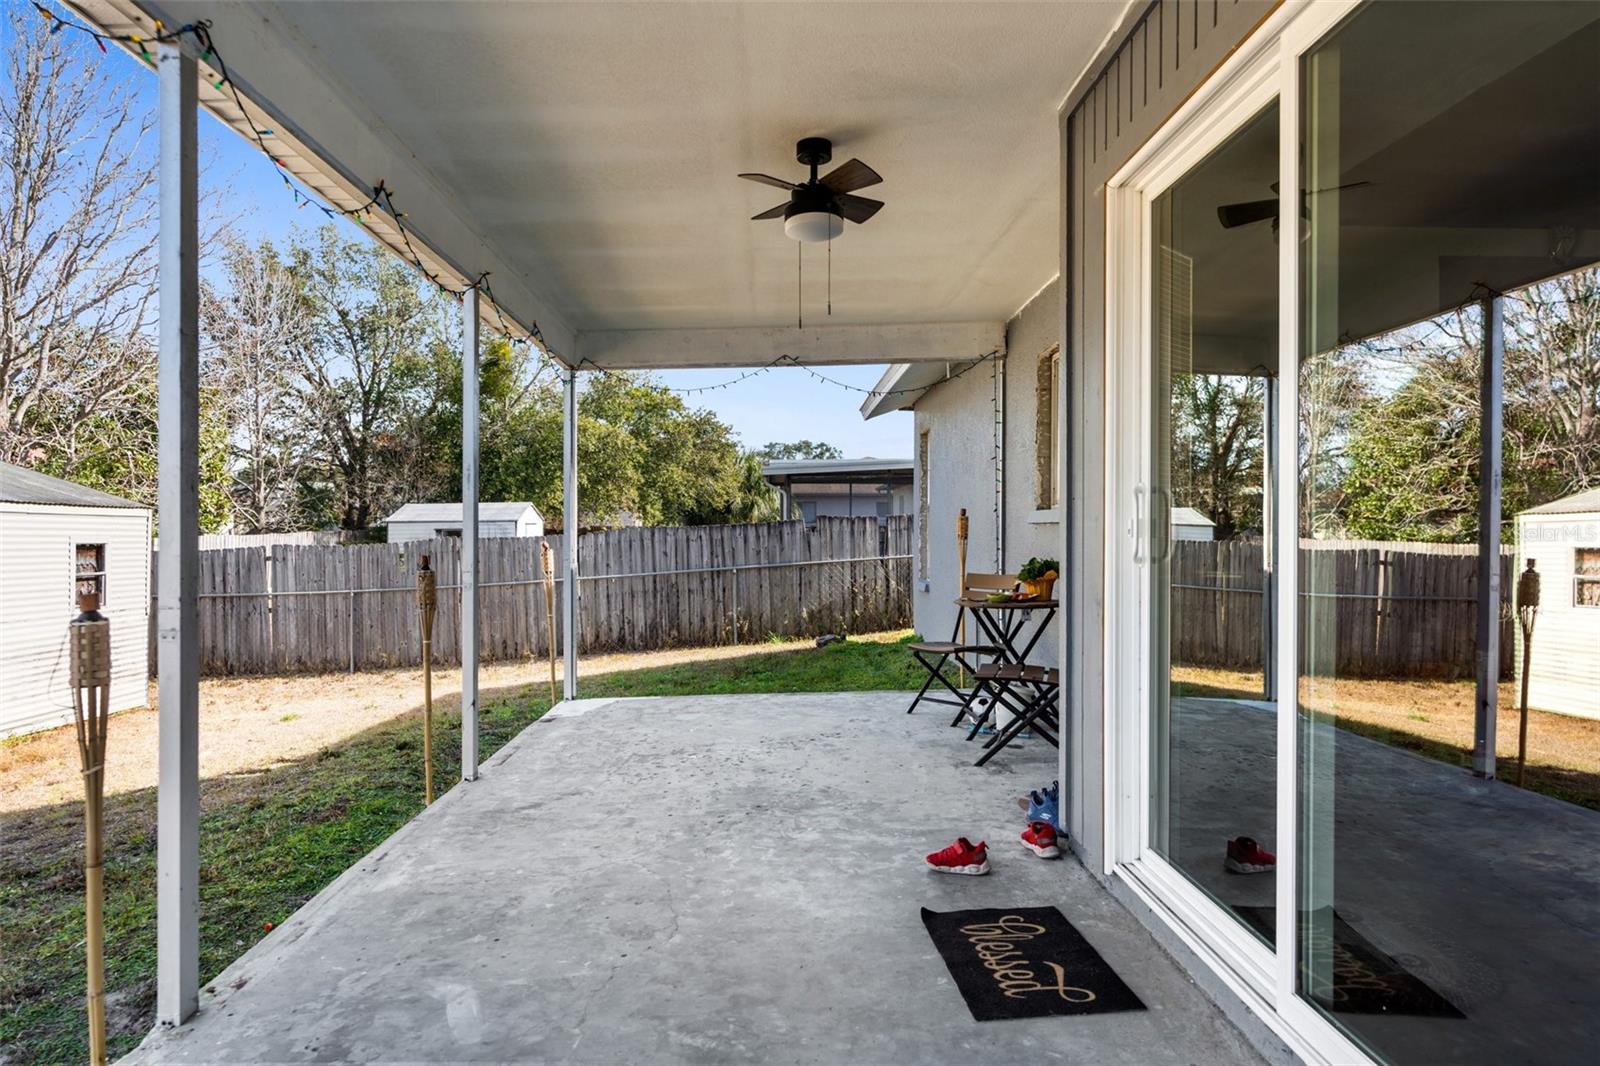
(1038, 577)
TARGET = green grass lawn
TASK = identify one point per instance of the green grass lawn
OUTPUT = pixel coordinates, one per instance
(272, 839)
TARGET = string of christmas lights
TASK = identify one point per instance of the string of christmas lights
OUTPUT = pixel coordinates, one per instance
(794, 361)
(381, 199)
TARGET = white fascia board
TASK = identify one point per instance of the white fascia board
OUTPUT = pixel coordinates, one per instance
(678, 349)
(881, 402)
(307, 115)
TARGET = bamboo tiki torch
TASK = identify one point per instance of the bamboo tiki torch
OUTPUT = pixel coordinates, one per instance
(961, 592)
(90, 674)
(547, 560)
(428, 604)
(1527, 608)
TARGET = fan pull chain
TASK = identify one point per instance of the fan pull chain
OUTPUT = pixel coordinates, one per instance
(830, 268)
(799, 299)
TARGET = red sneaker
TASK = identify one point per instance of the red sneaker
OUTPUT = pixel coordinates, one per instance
(962, 857)
(1245, 856)
(1040, 838)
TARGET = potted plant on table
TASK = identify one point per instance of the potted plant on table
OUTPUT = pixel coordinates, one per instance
(1039, 576)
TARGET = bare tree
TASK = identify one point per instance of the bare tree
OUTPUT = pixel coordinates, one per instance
(257, 329)
(1553, 383)
(77, 269)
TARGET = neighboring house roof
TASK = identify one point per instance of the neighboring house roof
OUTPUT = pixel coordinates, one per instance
(451, 512)
(1577, 503)
(903, 384)
(834, 469)
(1188, 516)
(18, 484)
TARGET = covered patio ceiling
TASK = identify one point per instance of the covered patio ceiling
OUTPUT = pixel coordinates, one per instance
(586, 155)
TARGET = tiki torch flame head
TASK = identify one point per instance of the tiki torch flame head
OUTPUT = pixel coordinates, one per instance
(1528, 587)
(89, 650)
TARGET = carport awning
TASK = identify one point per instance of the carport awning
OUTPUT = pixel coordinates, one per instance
(586, 156)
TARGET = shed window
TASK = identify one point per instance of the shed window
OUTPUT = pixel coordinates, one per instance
(1586, 577)
(89, 571)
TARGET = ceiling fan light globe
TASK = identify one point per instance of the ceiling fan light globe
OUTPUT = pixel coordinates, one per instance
(812, 227)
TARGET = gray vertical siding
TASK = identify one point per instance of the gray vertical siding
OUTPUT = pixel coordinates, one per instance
(1158, 63)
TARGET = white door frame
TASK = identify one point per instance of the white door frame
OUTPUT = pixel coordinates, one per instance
(1264, 69)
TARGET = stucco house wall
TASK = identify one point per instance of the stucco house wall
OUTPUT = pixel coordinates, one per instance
(1005, 527)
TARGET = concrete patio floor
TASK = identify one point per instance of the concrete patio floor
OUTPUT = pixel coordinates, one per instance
(696, 879)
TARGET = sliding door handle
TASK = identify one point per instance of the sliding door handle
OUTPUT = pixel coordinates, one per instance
(1138, 524)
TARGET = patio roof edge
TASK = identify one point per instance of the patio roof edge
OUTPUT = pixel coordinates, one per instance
(445, 242)
(757, 346)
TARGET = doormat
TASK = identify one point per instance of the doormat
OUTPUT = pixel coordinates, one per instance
(1365, 979)
(1025, 962)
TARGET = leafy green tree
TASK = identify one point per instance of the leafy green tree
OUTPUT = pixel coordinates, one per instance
(362, 371)
(754, 500)
(1217, 436)
(800, 449)
(686, 460)
(114, 449)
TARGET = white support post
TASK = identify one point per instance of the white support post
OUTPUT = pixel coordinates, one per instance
(469, 535)
(1491, 391)
(569, 531)
(178, 584)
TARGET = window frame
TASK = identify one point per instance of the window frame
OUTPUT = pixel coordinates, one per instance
(1266, 66)
(100, 575)
(1047, 438)
(1580, 579)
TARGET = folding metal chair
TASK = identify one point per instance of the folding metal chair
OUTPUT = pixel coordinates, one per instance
(936, 655)
(1030, 693)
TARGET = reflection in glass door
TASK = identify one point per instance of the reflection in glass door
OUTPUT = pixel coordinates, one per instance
(1214, 354)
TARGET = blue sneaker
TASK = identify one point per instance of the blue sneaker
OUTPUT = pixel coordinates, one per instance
(1044, 805)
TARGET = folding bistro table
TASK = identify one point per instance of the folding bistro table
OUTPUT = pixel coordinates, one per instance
(1030, 693)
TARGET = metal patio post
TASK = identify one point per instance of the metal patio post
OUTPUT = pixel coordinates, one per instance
(178, 585)
(569, 531)
(1269, 516)
(469, 534)
(1490, 427)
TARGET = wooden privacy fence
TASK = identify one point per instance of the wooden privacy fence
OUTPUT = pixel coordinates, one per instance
(308, 608)
(1369, 609)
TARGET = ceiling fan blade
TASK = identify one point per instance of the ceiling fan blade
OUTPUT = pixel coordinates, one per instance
(1242, 214)
(858, 208)
(771, 212)
(768, 179)
(1347, 185)
(850, 176)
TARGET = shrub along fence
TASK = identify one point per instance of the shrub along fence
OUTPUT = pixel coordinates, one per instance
(1375, 609)
(290, 608)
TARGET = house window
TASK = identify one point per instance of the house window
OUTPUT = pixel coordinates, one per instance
(808, 512)
(1047, 437)
(922, 505)
(1586, 577)
(89, 571)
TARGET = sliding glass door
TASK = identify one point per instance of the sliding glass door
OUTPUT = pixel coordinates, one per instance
(1450, 319)
(1213, 352)
(1352, 524)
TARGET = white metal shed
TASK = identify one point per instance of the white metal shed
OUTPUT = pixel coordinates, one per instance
(54, 536)
(424, 521)
(1562, 540)
(1190, 524)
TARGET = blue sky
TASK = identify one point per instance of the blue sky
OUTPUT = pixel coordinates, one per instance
(780, 405)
